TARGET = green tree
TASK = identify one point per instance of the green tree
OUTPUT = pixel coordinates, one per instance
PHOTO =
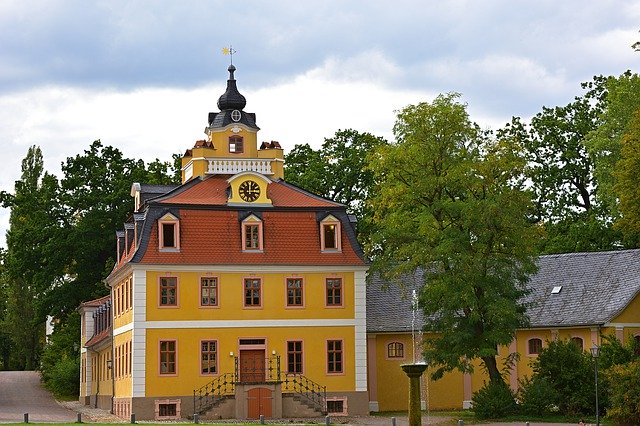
(569, 371)
(450, 201)
(338, 171)
(560, 170)
(32, 265)
(627, 182)
(621, 99)
(624, 393)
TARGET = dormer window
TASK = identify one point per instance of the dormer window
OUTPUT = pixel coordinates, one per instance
(252, 234)
(169, 233)
(236, 144)
(330, 234)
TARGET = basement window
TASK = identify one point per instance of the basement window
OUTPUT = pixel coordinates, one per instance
(337, 406)
(167, 409)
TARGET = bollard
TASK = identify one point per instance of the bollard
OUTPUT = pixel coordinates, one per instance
(460, 423)
(196, 418)
(26, 417)
(327, 420)
(393, 421)
(133, 418)
(79, 420)
(261, 419)
(526, 424)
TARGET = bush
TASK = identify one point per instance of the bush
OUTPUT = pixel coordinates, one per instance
(493, 401)
(624, 393)
(569, 371)
(64, 378)
(537, 396)
(60, 361)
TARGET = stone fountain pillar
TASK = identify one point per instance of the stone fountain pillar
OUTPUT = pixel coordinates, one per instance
(414, 371)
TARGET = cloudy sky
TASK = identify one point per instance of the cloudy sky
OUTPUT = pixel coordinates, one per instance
(142, 75)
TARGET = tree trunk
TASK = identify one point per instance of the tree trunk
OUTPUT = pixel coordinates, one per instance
(492, 368)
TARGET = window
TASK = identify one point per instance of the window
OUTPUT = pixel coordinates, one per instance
(636, 345)
(167, 357)
(337, 406)
(578, 342)
(252, 233)
(294, 291)
(167, 409)
(535, 346)
(168, 233)
(294, 357)
(168, 291)
(208, 357)
(334, 356)
(209, 291)
(334, 291)
(330, 234)
(395, 350)
(252, 292)
(235, 144)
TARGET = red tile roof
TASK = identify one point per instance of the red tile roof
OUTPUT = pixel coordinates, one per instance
(100, 337)
(213, 191)
(214, 237)
(96, 302)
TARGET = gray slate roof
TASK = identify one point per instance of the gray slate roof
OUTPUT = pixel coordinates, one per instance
(596, 287)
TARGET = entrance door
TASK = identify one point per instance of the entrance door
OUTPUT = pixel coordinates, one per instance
(259, 401)
(252, 368)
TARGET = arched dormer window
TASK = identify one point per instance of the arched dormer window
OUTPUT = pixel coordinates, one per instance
(330, 234)
(169, 233)
(534, 346)
(395, 350)
(236, 144)
(252, 234)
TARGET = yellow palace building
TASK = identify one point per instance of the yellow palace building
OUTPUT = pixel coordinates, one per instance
(235, 294)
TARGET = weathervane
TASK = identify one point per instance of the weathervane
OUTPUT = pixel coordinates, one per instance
(229, 51)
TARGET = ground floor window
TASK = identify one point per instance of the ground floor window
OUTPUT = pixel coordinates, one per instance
(337, 406)
(167, 409)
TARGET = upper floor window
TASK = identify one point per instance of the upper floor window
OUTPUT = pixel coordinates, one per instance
(168, 291)
(294, 291)
(252, 234)
(636, 344)
(236, 144)
(209, 291)
(535, 346)
(578, 342)
(334, 291)
(169, 233)
(330, 234)
(395, 350)
(252, 290)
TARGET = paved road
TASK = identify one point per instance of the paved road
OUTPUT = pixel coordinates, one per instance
(21, 392)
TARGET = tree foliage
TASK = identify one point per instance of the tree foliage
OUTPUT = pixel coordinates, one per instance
(624, 393)
(338, 171)
(450, 202)
(61, 235)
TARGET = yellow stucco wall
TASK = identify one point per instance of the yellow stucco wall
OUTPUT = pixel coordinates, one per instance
(231, 297)
(122, 364)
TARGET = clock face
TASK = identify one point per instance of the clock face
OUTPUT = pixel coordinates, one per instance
(249, 190)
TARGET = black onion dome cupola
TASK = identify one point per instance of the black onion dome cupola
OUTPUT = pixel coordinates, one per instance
(231, 105)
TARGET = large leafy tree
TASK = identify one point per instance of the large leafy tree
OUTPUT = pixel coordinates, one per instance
(560, 172)
(450, 201)
(627, 182)
(33, 265)
(338, 171)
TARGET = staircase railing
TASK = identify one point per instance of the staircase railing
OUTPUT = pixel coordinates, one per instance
(307, 389)
(208, 395)
(258, 370)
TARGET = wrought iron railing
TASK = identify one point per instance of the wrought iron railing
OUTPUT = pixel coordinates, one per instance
(310, 391)
(214, 391)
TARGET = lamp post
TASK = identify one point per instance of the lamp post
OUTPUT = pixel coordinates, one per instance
(595, 353)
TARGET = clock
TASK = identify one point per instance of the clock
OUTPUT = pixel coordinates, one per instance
(249, 191)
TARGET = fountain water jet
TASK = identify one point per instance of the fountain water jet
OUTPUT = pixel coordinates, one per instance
(414, 371)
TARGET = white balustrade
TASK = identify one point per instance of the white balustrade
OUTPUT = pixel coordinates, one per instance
(226, 166)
